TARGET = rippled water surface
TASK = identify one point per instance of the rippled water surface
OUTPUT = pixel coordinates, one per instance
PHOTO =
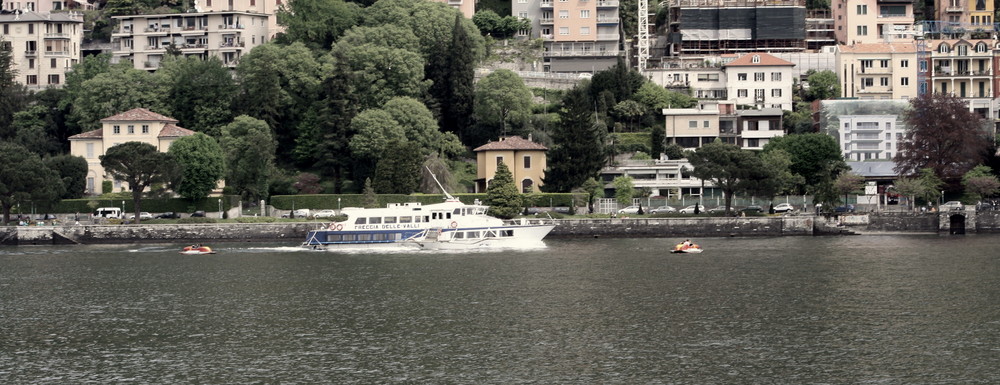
(794, 310)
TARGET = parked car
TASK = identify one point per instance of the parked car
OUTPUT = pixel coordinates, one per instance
(752, 210)
(952, 206)
(167, 215)
(784, 208)
(47, 217)
(325, 214)
(690, 209)
(848, 208)
(629, 210)
(299, 213)
(142, 216)
(717, 210)
(663, 210)
(198, 214)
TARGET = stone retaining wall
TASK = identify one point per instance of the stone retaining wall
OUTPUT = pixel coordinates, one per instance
(684, 227)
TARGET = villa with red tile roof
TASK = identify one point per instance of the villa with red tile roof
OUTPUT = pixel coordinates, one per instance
(524, 158)
(135, 125)
(761, 80)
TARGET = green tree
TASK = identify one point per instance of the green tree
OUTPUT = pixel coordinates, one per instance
(13, 95)
(910, 188)
(202, 165)
(199, 92)
(981, 182)
(24, 177)
(324, 146)
(822, 85)
(502, 195)
(380, 73)
(656, 138)
(815, 157)
(624, 190)
(72, 171)
(848, 182)
(579, 150)
(398, 170)
(420, 127)
(432, 23)
(730, 168)
(941, 134)
(375, 129)
(930, 184)
(502, 106)
(389, 35)
(249, 149)
(279, 85)
(593, 189)
(628, 111)
(140, 165)
(120, 89)
(453, 78)
(32, 131)
(370, 199)
(656, 98)
(317, 23)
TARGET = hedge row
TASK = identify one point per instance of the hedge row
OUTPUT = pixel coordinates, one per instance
(151, 205)
(330, 201)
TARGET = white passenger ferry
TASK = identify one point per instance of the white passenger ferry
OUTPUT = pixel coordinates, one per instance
(448, 225)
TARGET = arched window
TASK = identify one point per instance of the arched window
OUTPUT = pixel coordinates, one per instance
(755, 59)
(944, 48)
(526, 186)
(981, 47)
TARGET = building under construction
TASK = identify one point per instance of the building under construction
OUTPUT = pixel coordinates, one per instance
(730, 26)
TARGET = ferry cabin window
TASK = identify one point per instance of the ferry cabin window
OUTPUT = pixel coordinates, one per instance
(406, 219)
(473, 234)
(459, 235)
(390, 219)
(491, 234)
(360, 221)
(506, 233)
(458, 212)
(375, 220)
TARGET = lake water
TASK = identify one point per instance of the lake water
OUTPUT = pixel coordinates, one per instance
(792, 310)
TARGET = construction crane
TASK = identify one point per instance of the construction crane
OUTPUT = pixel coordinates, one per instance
(643, 38)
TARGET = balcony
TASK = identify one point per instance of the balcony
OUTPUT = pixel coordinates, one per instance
(546, 4)
(875, 70)
(31, 53)
(583, 53)
(57, 35)
(231, 26)
(607, 4)
(547, 21)
(123, 31)
(56, 53)
(608, 36)
(156, 30)
(231, 45)
(607, 20)
(194, 30)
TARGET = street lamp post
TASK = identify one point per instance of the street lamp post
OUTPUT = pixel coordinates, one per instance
(220, 208)
(338, 205)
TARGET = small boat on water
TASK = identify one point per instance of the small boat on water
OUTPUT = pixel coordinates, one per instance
(195, 250)
(682, 248)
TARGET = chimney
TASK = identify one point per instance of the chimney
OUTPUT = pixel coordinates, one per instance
(529, 137)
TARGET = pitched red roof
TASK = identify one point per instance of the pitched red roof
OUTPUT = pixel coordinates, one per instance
(510, 143)
(171, 130)
(95, 134)
(765, 60)
(139, 114)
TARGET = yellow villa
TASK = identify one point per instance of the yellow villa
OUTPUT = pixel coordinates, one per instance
(136, 125)
(524, 158)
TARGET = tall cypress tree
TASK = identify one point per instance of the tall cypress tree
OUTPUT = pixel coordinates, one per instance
(340, 106)
(453, 73)
(580, 150)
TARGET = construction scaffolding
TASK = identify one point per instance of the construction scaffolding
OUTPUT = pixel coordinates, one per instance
(730, 26)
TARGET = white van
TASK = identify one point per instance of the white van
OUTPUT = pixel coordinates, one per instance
(108, 212)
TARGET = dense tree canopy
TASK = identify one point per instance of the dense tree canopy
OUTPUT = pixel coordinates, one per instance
(249, 148)
(730, 168)
(122, 88)
(317, 23)
(12, 93)
(579, 150)
(502, 106)
(199, 92)
(814, 157)
(25, 179)
(72, 171)
(202, 164)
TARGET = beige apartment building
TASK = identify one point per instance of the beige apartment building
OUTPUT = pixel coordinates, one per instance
(135, 125)
(145, 39)
(524, 158)
(267, 7)
(579, 35)
(44, 46)
(872, 21)
(878, 71)
(43, 6)
(964, 68)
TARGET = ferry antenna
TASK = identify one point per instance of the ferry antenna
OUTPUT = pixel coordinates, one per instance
(446, 194)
